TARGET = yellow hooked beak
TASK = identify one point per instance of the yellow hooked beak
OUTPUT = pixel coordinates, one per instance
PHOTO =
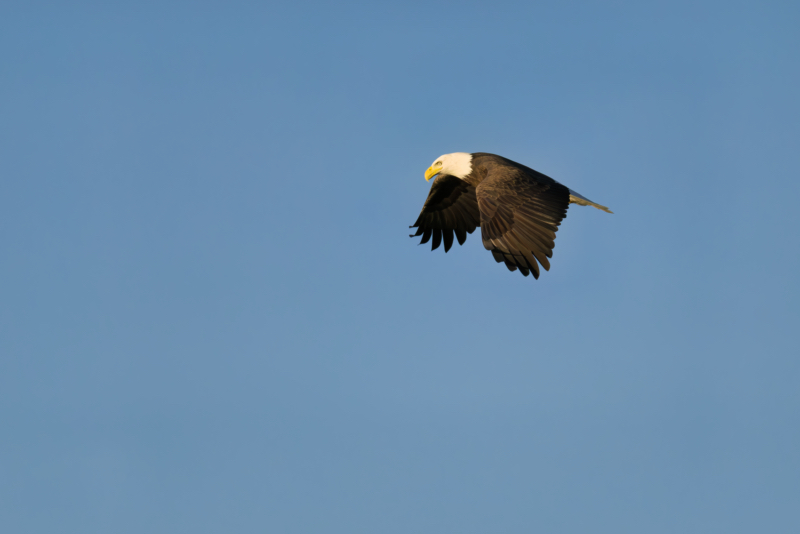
(432, 171)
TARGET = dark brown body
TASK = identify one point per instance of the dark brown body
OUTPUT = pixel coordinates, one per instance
(517, 208)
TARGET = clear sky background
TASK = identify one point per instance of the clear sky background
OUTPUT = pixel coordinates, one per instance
(212, 318)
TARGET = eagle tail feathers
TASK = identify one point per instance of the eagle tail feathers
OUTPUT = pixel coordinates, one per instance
(577, 198)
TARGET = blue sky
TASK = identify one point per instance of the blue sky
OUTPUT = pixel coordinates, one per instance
(212, 318)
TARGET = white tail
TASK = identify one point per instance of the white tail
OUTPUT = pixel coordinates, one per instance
(577, 198)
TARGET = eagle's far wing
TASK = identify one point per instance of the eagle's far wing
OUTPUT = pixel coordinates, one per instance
(521, 210)
(451, 206)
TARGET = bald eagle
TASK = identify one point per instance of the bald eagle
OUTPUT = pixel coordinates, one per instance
(518, 209)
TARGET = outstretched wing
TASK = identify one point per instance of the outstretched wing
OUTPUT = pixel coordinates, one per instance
(451, 207)
(521, 210)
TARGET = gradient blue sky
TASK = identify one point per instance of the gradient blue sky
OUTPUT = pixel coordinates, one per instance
(212, 319)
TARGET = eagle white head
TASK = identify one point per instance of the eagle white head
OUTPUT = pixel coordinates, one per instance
(458, 164)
